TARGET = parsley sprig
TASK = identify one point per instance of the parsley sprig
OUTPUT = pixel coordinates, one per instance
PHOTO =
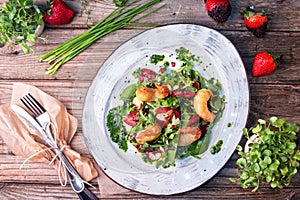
(273, 159)
(19, 20)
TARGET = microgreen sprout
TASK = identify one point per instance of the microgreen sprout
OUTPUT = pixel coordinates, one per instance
(274, 159)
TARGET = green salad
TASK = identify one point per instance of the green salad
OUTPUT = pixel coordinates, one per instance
(167, 114)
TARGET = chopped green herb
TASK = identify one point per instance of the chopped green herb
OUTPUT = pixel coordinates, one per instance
(216, 148)
(116, 128)
(166, 64)
(154, 59)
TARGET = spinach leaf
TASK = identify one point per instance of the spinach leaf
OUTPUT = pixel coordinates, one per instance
(128, 92)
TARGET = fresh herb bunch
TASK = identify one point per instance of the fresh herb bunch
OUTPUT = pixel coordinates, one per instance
(273, 158)
(128, 15)
(19, 20)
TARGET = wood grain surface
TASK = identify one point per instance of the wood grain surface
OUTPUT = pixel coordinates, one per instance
(277, 94)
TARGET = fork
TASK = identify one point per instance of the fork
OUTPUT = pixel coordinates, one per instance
(42, 117)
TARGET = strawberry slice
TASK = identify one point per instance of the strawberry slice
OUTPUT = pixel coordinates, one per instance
(182, 93)
(147, 75)
(132, 119)
(193, 120)
(164, 115)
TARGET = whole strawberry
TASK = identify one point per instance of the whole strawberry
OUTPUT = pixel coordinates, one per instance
(256, 22)
(59, 13)
(264, 63)
(219, 10)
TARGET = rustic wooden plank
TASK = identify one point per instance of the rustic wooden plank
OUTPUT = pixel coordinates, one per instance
(247, 45)
(281, 101)
(33, 171)
(86, 64)
(11, 60)
(37, 191)
(284, 15)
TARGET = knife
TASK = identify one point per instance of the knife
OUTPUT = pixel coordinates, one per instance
(85, 194)
(25, 115)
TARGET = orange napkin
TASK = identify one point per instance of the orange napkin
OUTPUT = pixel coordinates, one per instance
(24, 140)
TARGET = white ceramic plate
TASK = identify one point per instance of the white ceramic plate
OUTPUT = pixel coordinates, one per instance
(220, 60)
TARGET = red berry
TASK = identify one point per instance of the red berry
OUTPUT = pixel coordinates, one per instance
(256, 22)
(59, 13)
(264, 63)
(219, 10)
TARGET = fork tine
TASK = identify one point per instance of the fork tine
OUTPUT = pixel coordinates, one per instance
(32, 104)
(28, 105)
(37, 103)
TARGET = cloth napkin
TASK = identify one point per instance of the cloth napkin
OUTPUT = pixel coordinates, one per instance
(23, 140)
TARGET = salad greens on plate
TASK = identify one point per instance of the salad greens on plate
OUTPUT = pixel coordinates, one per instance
(167, 114)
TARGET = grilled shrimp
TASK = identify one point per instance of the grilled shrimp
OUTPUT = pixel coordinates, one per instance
(146, 94)
(149, 134)
(188, 135)
(162, 91)
(200, 105)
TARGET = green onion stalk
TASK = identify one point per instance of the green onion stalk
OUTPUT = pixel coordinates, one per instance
(119, 18)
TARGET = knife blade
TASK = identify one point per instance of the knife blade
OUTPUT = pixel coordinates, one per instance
(25, 115)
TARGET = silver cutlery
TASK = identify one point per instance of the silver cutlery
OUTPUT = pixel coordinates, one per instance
(40, 119)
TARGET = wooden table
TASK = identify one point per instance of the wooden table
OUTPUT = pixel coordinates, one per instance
(277, 94)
